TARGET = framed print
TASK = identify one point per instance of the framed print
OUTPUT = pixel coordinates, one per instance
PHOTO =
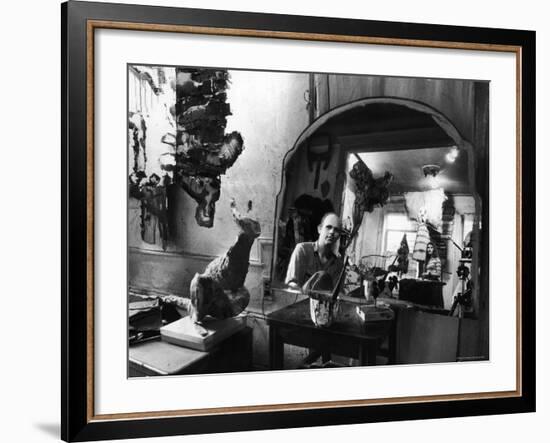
(279, 221)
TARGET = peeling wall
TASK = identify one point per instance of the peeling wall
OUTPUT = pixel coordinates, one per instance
(269, 110)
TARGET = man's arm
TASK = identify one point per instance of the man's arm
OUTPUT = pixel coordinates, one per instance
(295, 270)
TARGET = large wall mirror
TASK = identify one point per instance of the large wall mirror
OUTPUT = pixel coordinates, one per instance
(420, 181)
(229, 170)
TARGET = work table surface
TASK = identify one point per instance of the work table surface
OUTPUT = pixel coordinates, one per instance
(346, 322)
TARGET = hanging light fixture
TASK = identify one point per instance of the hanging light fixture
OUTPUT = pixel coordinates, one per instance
(430, 172)
(452, 155)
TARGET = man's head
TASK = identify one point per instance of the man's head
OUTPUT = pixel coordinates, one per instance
(329, 229)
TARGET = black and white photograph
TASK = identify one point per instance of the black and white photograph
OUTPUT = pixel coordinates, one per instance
(304, 220)
(275, 221)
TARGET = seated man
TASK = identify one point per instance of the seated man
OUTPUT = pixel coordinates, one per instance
(321, 255)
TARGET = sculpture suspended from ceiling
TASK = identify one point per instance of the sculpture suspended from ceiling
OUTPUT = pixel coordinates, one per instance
(369, 191)
(203, 151)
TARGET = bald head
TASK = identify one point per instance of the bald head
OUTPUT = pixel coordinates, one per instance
(329, 229)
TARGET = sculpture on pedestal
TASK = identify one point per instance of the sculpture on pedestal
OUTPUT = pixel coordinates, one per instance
(219, 291)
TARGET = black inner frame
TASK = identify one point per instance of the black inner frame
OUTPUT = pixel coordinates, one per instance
(74, 422)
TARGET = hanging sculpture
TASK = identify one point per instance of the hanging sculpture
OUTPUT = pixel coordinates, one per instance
(203, 152)
(370, 191)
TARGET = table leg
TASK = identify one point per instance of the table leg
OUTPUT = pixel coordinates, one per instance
(392, 341)
(367, 352)
(276, 349)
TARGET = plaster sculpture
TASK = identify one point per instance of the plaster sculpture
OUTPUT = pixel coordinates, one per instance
(219, 291)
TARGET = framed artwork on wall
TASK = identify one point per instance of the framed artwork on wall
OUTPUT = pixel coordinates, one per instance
(276, 221)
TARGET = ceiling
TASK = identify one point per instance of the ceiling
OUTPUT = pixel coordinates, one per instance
(401, 140)
(376, 117)
(406, 167)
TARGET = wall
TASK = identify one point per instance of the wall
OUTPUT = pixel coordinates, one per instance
(257, 100)
(170, 272)
(301, 175)
(369, 238)
(269, 111)
(154, 108)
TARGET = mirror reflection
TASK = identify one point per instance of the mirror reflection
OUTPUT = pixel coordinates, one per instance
(402, 191)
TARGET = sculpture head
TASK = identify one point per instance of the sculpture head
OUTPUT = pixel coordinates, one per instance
(250, 227)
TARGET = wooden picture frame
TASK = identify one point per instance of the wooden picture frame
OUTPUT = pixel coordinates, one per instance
(80, 20)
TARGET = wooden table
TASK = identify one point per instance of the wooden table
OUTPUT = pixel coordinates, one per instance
(348, 335)
(157, 357)
(422, 292)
